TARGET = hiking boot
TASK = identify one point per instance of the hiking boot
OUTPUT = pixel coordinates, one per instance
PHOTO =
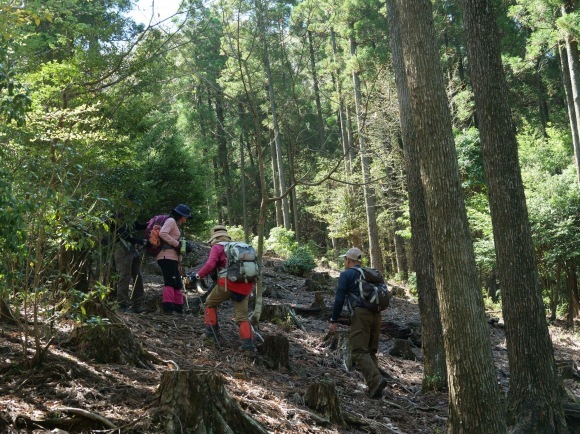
(248, 345)
(139, 309)
(123, 308)
(377, 392)
(212, 331)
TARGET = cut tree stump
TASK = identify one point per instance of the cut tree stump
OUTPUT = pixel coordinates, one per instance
(275, 351)
(339, 342)
(110, 343)
(402, 348)
(197, 402)
(281, 312)
(322, 398)
(318, 300)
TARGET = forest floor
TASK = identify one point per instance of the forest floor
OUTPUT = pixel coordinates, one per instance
(127, 397)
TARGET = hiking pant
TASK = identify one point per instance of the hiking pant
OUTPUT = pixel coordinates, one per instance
(128, 265)
(365, 329)
(172, 295)
(219, 294)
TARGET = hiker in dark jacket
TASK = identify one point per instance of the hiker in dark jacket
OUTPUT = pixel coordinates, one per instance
(128, 255)
(169, 258)
(365, 325)
(225, 290)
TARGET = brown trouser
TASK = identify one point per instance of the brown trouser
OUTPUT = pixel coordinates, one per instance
(365, 329)
(219, 294)
(128, 265)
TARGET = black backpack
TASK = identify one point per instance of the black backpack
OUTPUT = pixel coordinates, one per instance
(373, 293)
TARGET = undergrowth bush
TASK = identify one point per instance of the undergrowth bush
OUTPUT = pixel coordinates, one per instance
(282, 241)
(300, 263)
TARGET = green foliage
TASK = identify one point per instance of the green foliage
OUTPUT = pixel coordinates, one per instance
(281, 241)
(552, 195)
(300, 263)
(236, 233)
(470, 160)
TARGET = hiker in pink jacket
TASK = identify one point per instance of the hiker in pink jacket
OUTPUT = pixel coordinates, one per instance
(169, 259)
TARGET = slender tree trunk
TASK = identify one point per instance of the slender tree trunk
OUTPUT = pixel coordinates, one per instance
(574, 70)
(434, 368)
(223, 158)
(572, 116)
(541, 94)
(473, 394)
(293, 198)
(346, 143)
(276, 184)
(535, 404)
(244, 194)
(321, 138)
(275, 125)
(369, 195)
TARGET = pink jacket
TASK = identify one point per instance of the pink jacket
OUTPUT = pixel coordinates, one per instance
(170, 234)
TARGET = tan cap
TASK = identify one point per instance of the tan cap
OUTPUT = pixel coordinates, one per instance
(353, 253)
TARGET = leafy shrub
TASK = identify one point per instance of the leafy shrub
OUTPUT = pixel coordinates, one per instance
(300, 262)
(281, 241)
(237, 233)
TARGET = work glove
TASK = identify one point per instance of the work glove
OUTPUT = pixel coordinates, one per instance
(188, 247)
(193, 277)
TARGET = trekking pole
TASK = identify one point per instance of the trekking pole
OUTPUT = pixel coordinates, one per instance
(256, 333)
(137, 276)
(215, 336)
(184, 282)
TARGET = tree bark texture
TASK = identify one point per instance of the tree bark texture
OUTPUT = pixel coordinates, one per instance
(198, 403)
(110, 343)
(374, 253)
(535, 404)
(434, 367)
(322, 398)
(276, 350)
(473, 394)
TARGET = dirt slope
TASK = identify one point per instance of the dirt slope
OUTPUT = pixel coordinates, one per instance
(127, 396)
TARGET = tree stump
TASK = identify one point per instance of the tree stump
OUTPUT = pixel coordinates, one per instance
(280, 312)
(311, 285)
(318, 300)
(402, 348)
(395, 330)
(197, 402)
(110, 343)
(322, 398)
(275, 351)
(339, 342)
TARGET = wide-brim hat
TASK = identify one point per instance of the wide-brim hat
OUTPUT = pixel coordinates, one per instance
(218, 228)
(353, 253)
(219, 234)
(183, 210)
